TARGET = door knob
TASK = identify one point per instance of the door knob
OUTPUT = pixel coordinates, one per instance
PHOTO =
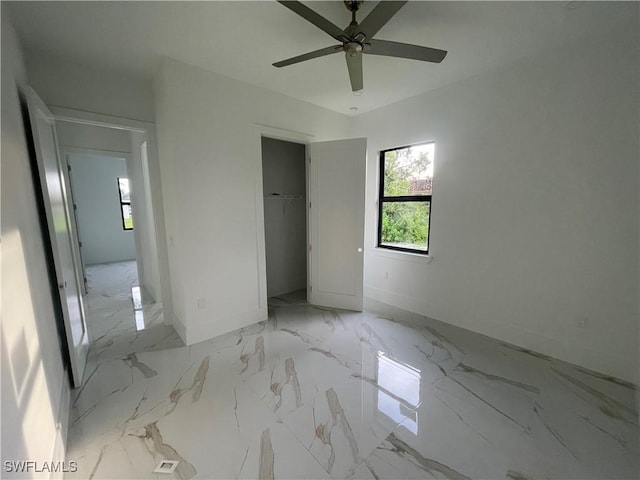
(359, 250)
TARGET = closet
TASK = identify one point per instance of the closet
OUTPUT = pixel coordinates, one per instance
(284, 178)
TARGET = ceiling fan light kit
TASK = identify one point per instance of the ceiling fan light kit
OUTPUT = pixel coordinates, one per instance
(357, 39)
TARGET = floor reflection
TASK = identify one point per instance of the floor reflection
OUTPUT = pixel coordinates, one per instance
(138, 313)
(122, 318)
(136, 296)
(399, 392)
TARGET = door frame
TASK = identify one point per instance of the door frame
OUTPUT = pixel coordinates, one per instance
(262, 130)
(71, 115)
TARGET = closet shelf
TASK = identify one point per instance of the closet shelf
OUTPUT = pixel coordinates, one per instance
(283, 197)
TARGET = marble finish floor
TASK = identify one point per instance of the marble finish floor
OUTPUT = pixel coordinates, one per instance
(317, 393)
(122, 318)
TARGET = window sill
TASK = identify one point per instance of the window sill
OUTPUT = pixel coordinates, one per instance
(402, 256)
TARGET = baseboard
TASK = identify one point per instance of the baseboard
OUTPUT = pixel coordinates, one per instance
(397, 300)
(205, 330)
(558, 348)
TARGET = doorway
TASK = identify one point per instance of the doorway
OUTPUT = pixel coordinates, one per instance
(57, 133)
(110, 183)
(102, 205)
(101, 195)
(284, 181)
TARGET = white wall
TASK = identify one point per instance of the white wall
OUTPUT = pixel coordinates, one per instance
(65, 83)
(285, 220)
(535, 204)
(35, 384)
(77, 135)
(212, 188)
(95, 189)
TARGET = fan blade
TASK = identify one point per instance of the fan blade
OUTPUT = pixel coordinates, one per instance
(354, 64)
(308, 56)
(318, 20)
(404, 50)
(379, 16)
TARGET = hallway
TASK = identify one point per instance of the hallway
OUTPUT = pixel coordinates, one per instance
(122, 317)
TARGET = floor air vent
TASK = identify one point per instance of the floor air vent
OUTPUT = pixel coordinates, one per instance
(166, 466)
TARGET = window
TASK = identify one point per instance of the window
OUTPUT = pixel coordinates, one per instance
(404, 202)
(125, 203)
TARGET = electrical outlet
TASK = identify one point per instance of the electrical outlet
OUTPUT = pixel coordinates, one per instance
(386, 275)
(582, 322)
(202, 303)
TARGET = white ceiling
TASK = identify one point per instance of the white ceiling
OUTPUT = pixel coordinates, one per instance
(242, 39)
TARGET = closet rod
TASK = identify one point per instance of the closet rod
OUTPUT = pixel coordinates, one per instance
(284, 197)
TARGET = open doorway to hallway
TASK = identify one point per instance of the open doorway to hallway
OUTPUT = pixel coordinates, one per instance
(108, 178)
(101, 195)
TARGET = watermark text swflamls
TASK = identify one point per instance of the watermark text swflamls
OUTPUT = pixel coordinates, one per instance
(27, 466)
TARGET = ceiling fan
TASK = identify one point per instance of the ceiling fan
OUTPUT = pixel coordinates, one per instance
(357, 38)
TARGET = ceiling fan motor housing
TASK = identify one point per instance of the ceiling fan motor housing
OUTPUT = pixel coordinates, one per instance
(352, 48)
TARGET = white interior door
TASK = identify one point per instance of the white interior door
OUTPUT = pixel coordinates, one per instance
(57, 210)
(337, 189)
